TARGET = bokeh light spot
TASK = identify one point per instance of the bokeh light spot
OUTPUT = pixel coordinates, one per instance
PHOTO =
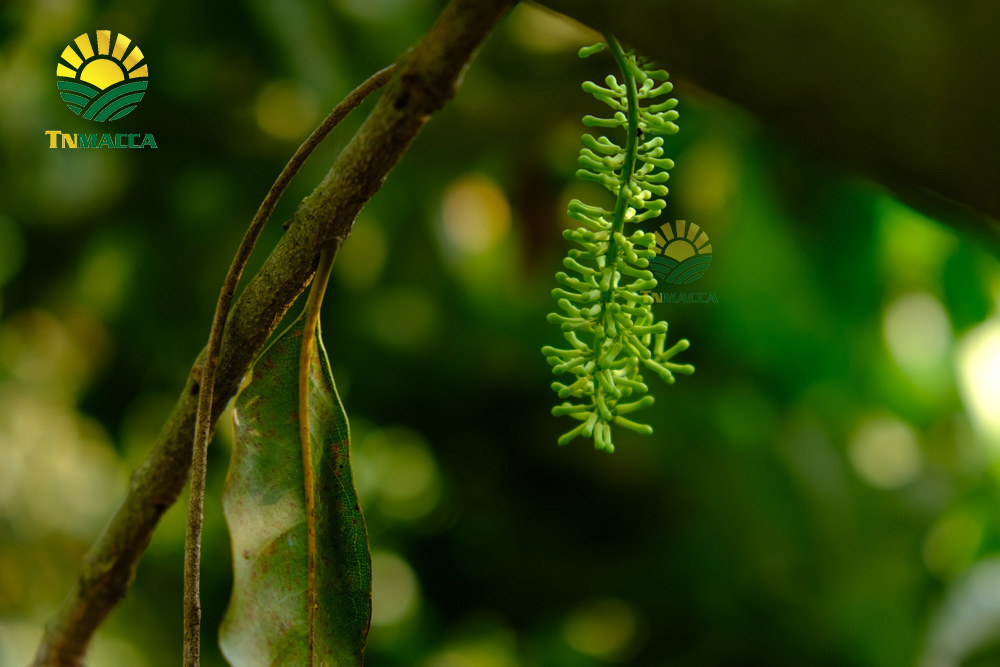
(58, 471)
(475, 214)
(917, 331)
(394, 588)
(396, 470)
(711, 181)
(913, 245)
(979, 377)
(885, 453)
(285, 111)
(495, 647)
(952, 544)
(605, 628)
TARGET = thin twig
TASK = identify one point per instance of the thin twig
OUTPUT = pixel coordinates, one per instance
(203, 420)
(426, 78)
(313, 306)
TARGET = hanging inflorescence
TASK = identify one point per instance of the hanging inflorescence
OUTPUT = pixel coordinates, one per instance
(606, 317)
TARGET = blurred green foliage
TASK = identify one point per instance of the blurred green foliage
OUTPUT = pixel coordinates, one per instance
(821, 492)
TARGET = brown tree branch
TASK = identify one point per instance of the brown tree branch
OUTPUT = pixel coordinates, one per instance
(426, 78)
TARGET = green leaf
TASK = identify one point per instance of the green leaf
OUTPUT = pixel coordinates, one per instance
(267, 622)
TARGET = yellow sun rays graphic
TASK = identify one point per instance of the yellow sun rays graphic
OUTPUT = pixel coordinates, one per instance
(683, 252)
(102, 84)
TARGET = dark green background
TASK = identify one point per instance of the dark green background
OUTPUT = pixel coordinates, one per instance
(820, 492)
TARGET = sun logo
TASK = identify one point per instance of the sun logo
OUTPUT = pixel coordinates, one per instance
(683, 253)
(105, 85)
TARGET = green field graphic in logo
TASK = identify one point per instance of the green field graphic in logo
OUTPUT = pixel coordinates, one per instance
(683, 253)
(102, 85)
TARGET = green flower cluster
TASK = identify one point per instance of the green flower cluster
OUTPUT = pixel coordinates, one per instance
(606, 316)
